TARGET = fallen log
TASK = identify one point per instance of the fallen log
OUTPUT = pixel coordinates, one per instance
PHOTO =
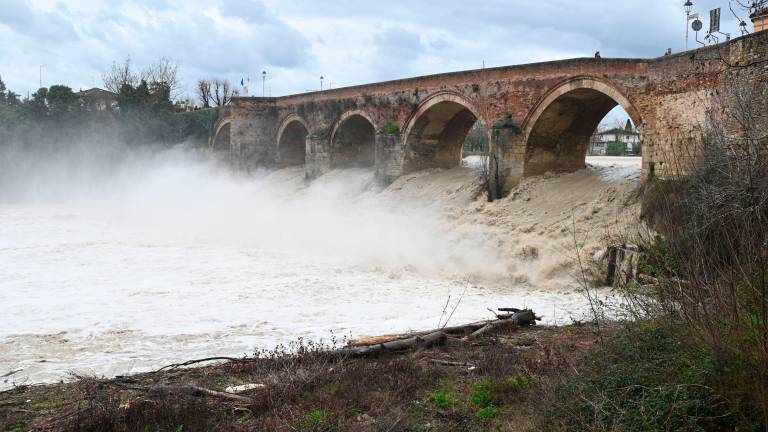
(190, 390)
(375, 340)
(521, 318)
(426, 341)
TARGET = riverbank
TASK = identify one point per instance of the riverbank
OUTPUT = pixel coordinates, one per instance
(490, 383)
(642, 375)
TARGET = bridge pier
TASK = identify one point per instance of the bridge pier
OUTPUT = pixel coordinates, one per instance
(507, 157)
(389, 156)
(318, 158)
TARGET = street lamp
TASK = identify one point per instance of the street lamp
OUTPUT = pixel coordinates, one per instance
(263, 82)
(688, 5)
(321, 82)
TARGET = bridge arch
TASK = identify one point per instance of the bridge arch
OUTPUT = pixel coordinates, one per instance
(353, 140)
(292, 141)
(222, 137)
(557, 130)
(435, 134)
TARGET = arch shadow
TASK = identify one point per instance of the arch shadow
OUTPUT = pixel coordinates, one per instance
(221, 140)
(557, 130)
(291, 141)
(435, 134)
(353, 141)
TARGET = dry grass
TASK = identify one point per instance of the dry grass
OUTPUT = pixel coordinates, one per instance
(311, 392)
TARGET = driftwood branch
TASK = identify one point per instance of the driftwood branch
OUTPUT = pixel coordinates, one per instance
(189, 390)
(203, 360)
(451, 363)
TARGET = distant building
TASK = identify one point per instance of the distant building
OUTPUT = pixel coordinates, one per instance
(184, 105)
(629, 136)
(97, 99)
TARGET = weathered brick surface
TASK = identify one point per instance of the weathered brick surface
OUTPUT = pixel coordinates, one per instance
(547, 111)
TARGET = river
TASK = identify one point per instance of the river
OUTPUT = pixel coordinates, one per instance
(163, 258)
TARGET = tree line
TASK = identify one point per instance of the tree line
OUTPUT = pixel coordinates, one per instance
(137, 107)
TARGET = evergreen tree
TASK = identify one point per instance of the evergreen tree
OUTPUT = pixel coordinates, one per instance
(3, 95)
(62, 100)
(36, 108)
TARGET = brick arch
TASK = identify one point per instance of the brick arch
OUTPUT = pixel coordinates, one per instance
(434, 134)
(557, 130)
(353, 140)
(290, 145)
(219, 136)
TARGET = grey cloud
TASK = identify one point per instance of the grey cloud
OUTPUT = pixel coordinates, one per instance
(629, 28)
(248, 10)
(366, 41)
(23, 18)
(394, 51)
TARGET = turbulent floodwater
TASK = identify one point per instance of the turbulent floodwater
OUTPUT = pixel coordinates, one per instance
(165, 257)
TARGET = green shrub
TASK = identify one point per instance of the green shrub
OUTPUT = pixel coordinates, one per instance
(391, 129)
(514, 385)
(616, 148)
(645, 380)
(317, 417)
(481, 394)
(443, 399)
(486, 413)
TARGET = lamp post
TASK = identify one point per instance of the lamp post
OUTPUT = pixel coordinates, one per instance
(688, 5)
(263, 83)
(321, 82)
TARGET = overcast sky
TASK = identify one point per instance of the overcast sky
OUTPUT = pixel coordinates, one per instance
(347, 41)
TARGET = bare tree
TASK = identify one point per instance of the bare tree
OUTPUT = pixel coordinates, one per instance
(204, 92)
(120, 75)
(165, 72)
(215, 92)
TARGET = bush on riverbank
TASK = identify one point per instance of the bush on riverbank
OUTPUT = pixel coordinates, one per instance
(649, 378)
(699, 360)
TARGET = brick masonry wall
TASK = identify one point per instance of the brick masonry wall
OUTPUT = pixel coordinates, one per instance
(668, 97)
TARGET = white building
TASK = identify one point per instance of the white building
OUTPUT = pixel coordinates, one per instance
(628, 135)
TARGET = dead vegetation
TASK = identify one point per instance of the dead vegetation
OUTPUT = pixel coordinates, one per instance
(478, 384)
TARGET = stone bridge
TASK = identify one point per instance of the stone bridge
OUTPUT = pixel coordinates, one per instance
(539, 117)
